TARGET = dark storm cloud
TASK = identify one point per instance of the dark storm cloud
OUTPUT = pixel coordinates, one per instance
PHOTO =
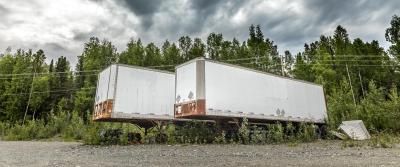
(206, 9)
(331, 10)
(292, 31)
(145, 9)
(286, 27)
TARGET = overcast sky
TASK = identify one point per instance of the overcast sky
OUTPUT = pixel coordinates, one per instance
(60, 27)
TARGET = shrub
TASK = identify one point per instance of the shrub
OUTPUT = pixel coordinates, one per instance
(382, 140)
(170, 131)
(275, 133)
(258, 135)
(244, 131)
(221, 138)
(290, 132)
(195, 132)
(92, 135)
(31, 130)
(4, 128)
(306, 132)
(75, 128)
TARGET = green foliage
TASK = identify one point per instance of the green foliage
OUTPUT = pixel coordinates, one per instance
(290, 132)
(275, 133)
(244, 131)
(382, 140)
(378, 140)
(92, 136)
(195, 132)
(307, 132)
(378, 112)
(220, 139)
(340, 105)
(109, 133)
(258, 136)
(134, 53)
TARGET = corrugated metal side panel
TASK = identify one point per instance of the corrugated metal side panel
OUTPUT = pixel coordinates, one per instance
(306, 100)
(186, 81)
(104, 86)
(111, 88)
(235, 90)
(141, 91)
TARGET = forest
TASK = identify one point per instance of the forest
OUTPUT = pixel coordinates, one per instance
(361, 79)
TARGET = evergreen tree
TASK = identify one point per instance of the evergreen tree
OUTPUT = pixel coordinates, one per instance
(214, 44)
(185, 43)
(96, 56)
(134, 53)
(171, 54)
(152, 55)
(198, 49)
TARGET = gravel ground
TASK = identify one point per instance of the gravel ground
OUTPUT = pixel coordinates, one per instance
(321, 153)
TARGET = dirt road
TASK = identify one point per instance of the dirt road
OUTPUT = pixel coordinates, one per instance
(322, 153)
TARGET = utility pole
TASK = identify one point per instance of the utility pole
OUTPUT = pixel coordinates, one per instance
(351, 87)
(283, 73)
(30, 95)
(362, 87)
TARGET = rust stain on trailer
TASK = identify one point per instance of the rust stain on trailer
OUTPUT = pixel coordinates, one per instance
(190, 108)
(103, 109)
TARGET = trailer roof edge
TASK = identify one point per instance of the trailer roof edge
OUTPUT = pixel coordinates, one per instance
(246, 68)
(139, 67)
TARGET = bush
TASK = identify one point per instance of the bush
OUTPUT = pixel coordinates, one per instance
(221, 138)
(4, 129)
(290, 132)
(258, 135)
(379, 109)
(75, 129)
(170, 131)
(92, 135)
(110, 133)
(275, 133)
(195, 132)
(244, 132)
(382, 140)
(31, 130)
(306, 132)
(64, 125)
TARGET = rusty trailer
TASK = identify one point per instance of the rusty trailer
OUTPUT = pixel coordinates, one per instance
(136, 95)
(207, 89)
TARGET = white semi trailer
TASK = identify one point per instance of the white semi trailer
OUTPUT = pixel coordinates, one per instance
(129, 93)
(214, 90)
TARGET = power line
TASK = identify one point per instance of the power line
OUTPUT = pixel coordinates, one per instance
(170, 65)
(42, 92)
(48, 73)
(75, 72)
(250, 58)
(313, 64)
(363, 60)
(55, 76)
(355, 65)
